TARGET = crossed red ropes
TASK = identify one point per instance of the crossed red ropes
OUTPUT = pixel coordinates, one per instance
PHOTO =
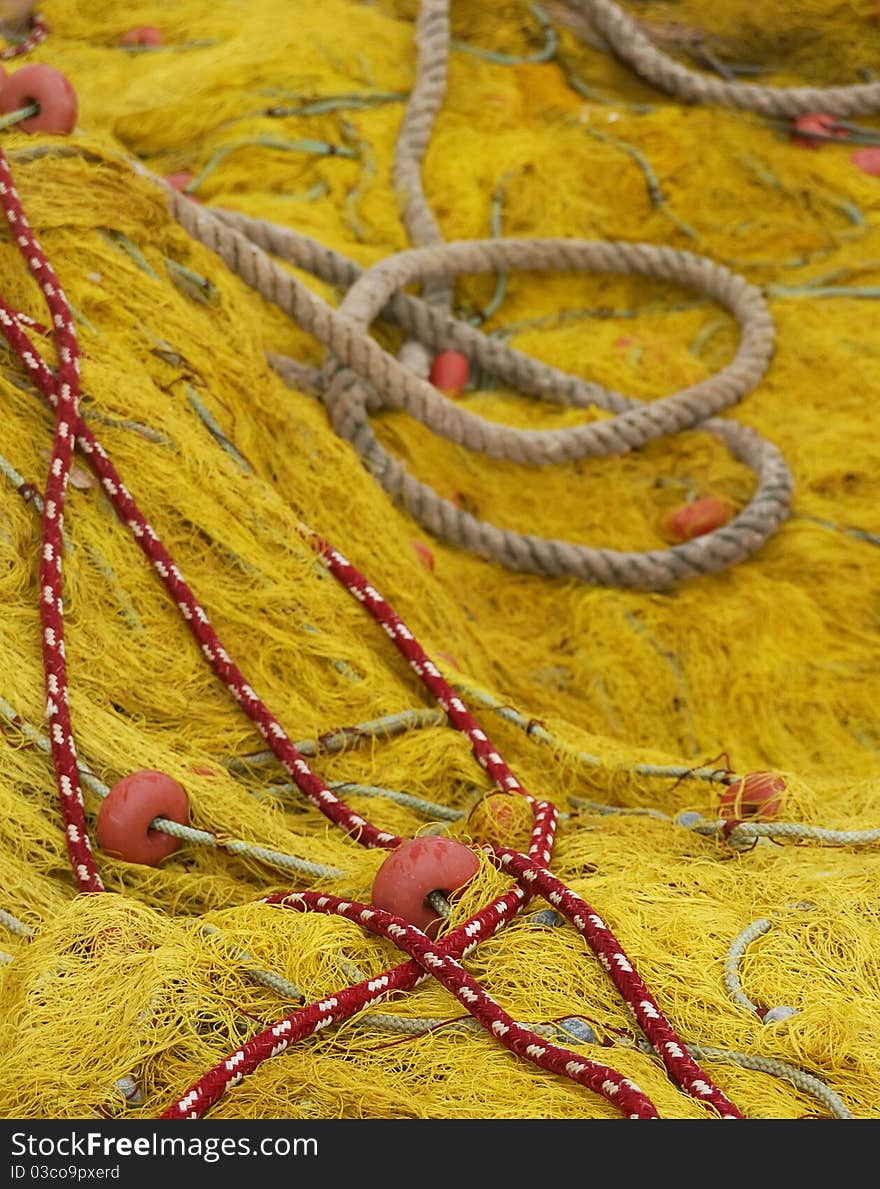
(427, 958)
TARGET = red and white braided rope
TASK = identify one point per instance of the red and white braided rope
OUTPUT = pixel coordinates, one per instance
(438, 959)
(63, 393)
(435, 959)
(684, 1071)
(194, 614)
(428, 958)
(38, 32)
(128, 511)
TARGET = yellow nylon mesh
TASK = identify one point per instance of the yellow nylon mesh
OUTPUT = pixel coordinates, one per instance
(772, 662)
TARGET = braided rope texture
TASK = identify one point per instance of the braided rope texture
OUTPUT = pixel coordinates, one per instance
(666, 332)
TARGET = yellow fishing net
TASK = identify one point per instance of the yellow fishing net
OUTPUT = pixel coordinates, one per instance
(598, 698)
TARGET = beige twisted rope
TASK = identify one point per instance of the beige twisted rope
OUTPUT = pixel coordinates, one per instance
(630, 44)
(357, 367)
(424, 101)
(358, 377)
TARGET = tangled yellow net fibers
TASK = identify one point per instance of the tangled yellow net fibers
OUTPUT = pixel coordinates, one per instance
(115, 1003)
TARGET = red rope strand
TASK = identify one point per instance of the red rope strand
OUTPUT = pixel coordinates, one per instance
(437, 959)
(38, 32)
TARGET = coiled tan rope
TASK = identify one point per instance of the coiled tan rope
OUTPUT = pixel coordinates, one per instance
(358, 377)
(431, 44)
(343, 333)
(630, 44)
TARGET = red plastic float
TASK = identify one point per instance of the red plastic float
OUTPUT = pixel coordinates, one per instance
(757, 795)
(867, 160)
(180, 181)
(142, 35)
(820, 124)
(52, 93)
(502, 819)
(449, 372)
(415, 869)
(699, 517)
(123, 827)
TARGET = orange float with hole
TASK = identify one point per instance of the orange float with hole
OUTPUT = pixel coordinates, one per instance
(449, 372)
(123, 827)
(418, 867)
(47, 89)
(696, 518)
(756, 795)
